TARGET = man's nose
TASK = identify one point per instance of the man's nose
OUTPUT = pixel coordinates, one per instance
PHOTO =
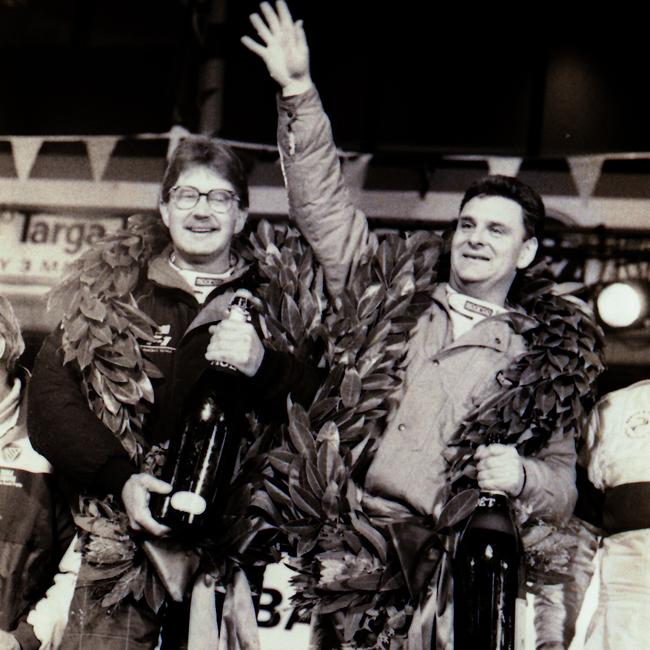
(202, 208)
(476, 237)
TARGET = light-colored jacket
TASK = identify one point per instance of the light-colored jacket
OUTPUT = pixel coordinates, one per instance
(617, 441)
(616, 451)
(445, 379)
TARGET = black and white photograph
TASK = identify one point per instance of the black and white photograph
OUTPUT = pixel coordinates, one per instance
(323, 325)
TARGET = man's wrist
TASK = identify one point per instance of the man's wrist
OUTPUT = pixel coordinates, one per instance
(523, 483)
(297, 87)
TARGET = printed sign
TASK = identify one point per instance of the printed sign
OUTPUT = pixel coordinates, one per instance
(37, 248)
(279, 625)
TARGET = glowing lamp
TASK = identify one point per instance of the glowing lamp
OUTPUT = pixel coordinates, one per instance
(623, 304)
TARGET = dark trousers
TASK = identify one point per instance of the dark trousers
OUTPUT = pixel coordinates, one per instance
(130, 625)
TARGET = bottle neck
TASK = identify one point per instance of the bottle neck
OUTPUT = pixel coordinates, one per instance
(493, 512)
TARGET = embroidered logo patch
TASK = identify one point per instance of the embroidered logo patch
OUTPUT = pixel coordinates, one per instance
(162, 336)
(206, 282)
(637, 425)
(478, 309)
(160, 344)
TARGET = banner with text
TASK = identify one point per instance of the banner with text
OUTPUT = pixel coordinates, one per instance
(38, 248)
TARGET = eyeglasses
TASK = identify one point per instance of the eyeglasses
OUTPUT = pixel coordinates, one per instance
(186, 197)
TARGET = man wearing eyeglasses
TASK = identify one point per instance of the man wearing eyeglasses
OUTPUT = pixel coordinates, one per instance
(186, 289)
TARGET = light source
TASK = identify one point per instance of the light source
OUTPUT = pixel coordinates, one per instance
(624, 304)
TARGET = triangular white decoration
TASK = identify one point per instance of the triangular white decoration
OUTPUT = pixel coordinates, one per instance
(505, 166)
(25, 149)
(99, 153)
(176, 134)
(586, 172)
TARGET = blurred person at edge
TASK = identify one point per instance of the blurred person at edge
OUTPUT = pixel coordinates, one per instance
(467, 325)
(613, 528)
(185, 289)
(38, 561)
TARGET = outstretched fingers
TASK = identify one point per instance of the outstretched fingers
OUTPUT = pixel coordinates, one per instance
(261, 28)
(283, 13)
(299, 34)
(253, 46)
(270, 15)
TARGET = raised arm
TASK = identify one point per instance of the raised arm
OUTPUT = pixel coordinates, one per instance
(318, 199)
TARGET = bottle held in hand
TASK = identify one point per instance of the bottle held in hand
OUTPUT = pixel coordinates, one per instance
(486, 573)
(201, 460)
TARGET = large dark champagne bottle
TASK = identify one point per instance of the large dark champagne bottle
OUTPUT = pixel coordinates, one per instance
(201, 460)
(486, 568)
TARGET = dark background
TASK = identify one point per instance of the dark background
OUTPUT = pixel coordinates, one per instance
(397, 78)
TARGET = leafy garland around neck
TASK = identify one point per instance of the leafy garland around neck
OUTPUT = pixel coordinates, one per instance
(301, 482)
(102, 325)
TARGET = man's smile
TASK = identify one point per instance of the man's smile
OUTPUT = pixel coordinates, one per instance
(476, 256)
(200, 230)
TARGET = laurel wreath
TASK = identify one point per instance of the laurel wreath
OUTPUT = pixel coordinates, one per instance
(301, 481)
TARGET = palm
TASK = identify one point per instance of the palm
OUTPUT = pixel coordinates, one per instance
(287, 59)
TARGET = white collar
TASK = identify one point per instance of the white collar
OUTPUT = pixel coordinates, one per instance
(466, 311)
(470, 306)
(10, 408)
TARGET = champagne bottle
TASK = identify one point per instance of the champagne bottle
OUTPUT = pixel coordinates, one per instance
(486, 568)
(201, 460)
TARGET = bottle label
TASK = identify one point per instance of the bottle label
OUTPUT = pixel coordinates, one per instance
(193, 504)
(486, 502)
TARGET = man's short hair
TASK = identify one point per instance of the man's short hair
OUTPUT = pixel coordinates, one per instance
(10, 332)
(511, 188)
(203, 152)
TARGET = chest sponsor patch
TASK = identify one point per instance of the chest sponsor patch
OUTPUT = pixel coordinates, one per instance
(8, 478)
(162, 337)
(637, 425)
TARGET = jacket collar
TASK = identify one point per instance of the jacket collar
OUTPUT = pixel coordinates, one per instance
(494, 332)
(161, 273)
(215, 308)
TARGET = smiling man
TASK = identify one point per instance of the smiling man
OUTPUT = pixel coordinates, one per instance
(455, 356)
(185, 288)
(494, 238)
(461, 344)
(203, 216)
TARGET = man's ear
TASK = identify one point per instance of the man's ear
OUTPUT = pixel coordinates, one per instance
(164, 213)
(527, 253)
(3, 345)
(240, 220)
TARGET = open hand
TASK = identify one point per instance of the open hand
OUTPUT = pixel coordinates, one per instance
(285, 50)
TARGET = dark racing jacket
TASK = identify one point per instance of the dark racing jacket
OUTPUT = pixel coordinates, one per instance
(64, 429)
